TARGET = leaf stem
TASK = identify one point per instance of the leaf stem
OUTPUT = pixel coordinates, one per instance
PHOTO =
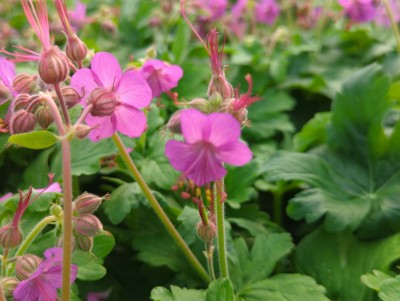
(158, 209)
(393, 23)
(64, 108)
(223, 261)
(4, 262)
(210, 259)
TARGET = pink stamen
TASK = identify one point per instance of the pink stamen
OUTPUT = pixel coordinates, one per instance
(246, 99)
(63, 13)
(29, 56)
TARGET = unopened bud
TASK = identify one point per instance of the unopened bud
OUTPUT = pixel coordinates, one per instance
(10, 236)
(174, 123)
(185, 195)
(215, 102)
(104, 102)
(56, 210)
(44, 116)
(82, 130)
(86, 203)
(220, 85)
(21, 102)
(71, 96)
(9, 284)
(84, 243)
(207, 232)
(76, 50)
(200, 104)
(53, 66)
(21, 122)
(26, 265)
(151, 53)
(24, 83)
(60, 242)
(88, 225)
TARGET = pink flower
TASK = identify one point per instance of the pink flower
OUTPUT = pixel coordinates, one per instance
(43, 283)
(359, 11)
(209, 141)
(6, 197)
(78, 15)
(98, 296)
(126, 93)
(238, 23)
(266, 11)
(215, 9)
(54, 187)
(7, 74)
(161, 76)
(381, 16)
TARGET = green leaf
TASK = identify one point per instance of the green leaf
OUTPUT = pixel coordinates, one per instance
(177, 294)
(181, 42)
(285, 287)
(103, 244)
(338, 260)
(34, 140)
(220, 289)
(375, 279)
(89, 266)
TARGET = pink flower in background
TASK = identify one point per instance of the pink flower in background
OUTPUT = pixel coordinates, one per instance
(42, 285)
(209, 141)
(116, 97)
(98, 296)
(161, 76)
(54, 187)
(382, 18)
(6, 197)
(215, 9)
(359, 11)
(266, 11)
(78, 16)
(238, 22)
(7, 74)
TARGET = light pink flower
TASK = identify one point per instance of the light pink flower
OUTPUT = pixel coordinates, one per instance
(130, 90)
(161, 76)
(382, 18)
(359, 11)
(78, 15)
(266, 11)
(42, 285)
(6, 197)
(238, 22)
(7, 74)
(215, 9)
(54, 187)
(209, 141)
(98, 296)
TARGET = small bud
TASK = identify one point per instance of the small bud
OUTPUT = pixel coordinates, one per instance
(24, 83)
(104, 102)
(200, 104)
(44, 116)
(151, 53)
(21, 122)
(56, 210)
(76, 50)
(220, 85)
(82, 130)
(10, 236)
(86, 203)
(21, 102)
(207, 232)
(71, 96)
(84, 243)
(215, 102)
(185, 195)
(174, 123)
(53, 66)
(9, 284)
(26, 265)
(88, 225)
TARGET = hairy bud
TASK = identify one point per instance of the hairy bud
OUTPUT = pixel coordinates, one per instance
(76, 50)
(104, 102)
(84, 243)
(21, 122)
(82, 130)
(53, 66)
(215, 102)
(71, 96)
(21, 102)
(56, 210)
(220, 85)
(200, 104)
(174, 123)
(207, 232)
(26, 265)
(88, 225)
(10, 236)
(24, 83)
(44, 116)
(86, 203)
(9, 284)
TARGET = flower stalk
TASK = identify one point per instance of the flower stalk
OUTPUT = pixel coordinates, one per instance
(219, 206)
(392, 23)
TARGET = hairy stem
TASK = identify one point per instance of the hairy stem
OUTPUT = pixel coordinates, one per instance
(4, 260)
(222, 256)
(393, 23)
(64, 108)
(210, 259)
(158, 209)
(2, 297)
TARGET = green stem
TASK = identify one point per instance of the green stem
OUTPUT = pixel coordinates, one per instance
(277, 218)
(158, 209)
(143, 137)
(223, 261)
(393, 23)
(63, 105)
(210, 261)
(4, 262)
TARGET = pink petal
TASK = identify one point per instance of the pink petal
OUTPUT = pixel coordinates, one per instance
(84, 83)
(134, 90)
(235, 153)
(223, 129)
(192, 124)
(171, 75)
(98, 296)
(55, 187)
(7, 72)
(106, 68)
(26, 290)
(130, 121)
(103, 127)
(6, 197)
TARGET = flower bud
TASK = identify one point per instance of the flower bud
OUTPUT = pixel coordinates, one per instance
(10, 236)
(88, 225)
(207, 232)
(200, 104)
(82, 130)
(215, 102)
(21, 122)
(53, 66)
(26, 265)
(44, 116)
(104, 102)
(71, 96)
(84, 243)
(76, 50)
(21, 102)
(56, 210)
(221, 85)
(9, 284)
(174, 123)
(24, 83)
(86, 203)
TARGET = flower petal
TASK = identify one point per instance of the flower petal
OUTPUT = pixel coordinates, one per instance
(26, 290)
(103, 127)
(223, 129)
(134, 90)
(192, 124)
(130, 121)
(7, 72)
(235, 153)
(84, 83)
(106, 68)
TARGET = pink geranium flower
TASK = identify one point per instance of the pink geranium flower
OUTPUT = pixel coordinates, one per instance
(161, 76)
(215, 9)
(127, 91)
(266, 11)
(78, 15)
(43, 283)
(238, 22)
(359, 11)
(382, 17)
(209, 141)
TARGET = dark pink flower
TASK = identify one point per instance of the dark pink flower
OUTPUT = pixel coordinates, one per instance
(42, 285)
(266, 11)
(359, 11)
(238, 22)
(161, 76)
(209, 141)
(129, 91)
(7, 74)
